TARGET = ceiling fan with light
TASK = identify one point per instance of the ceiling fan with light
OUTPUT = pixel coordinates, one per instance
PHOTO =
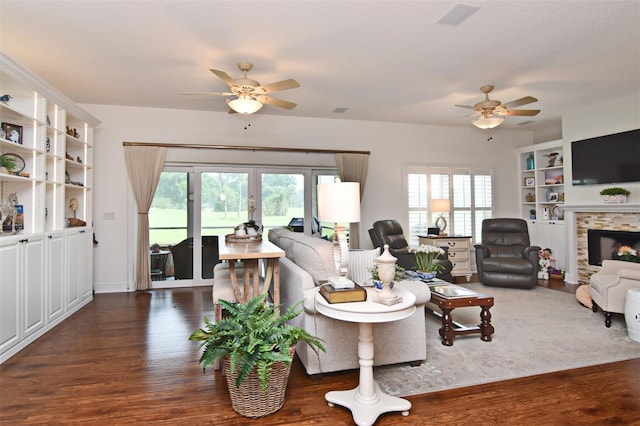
(491, 111)
(250, 96)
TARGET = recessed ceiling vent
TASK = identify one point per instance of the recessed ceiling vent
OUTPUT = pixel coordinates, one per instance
(457, 14)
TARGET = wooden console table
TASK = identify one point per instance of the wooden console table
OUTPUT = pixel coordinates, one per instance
(249, 254)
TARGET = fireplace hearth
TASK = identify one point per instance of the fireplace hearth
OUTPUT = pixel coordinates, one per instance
(603, 244)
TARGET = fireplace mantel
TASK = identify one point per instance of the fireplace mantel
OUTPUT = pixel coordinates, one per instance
(610, 207)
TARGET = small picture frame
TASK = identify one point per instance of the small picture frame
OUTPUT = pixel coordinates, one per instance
(529, 181)
(553, 196)
(12, 132)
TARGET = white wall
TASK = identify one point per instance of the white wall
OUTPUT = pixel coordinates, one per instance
(390, 144)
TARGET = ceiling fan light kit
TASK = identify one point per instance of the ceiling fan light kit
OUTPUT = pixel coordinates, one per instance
(244, 104)
(486, 123)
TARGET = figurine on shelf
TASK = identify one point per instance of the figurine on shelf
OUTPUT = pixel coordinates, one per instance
(8, 212)
(73, 132)
(552, 158)
(5, 99)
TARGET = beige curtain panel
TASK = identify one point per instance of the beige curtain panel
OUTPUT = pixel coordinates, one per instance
(144, 166)
(353, 168)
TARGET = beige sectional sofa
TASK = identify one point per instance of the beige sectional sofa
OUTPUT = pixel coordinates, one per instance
(307, 265)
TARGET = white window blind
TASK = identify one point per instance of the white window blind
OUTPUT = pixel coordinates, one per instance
(470, 191)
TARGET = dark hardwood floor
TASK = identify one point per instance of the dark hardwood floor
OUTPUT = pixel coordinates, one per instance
(125, 358)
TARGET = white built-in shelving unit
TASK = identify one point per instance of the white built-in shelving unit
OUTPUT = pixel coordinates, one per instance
(542, 196)
(46, 267)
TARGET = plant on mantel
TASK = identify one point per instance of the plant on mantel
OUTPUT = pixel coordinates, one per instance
(615, 195)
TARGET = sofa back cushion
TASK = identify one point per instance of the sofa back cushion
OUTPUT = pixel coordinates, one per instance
(313, 254)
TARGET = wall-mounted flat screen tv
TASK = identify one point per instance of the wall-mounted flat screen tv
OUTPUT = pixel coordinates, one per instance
(606, 159)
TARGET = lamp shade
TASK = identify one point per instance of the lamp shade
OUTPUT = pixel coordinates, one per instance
(487, 123)
(441, 205)
(244, 104)
(339, 202)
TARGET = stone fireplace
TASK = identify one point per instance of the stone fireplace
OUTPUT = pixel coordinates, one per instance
(581, 219)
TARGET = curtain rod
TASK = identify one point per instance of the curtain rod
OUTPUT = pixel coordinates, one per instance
(246, 148)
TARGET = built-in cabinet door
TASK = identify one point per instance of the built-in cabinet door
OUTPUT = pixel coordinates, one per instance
(73, 250)
(79, 272)
(55, 275)
(9, 293)
(550, 234)
(32, 267)
(85, 263)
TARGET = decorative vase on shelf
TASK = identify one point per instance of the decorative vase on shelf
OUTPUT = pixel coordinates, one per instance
(386, 264)
(530, 162)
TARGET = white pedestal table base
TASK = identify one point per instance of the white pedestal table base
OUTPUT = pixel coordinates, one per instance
(367, 401)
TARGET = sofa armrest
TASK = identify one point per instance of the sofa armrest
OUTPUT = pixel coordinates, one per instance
(533, 254)
(482, 251)
(612, 267)
(418, 288)
(630, 274)
(294, 283)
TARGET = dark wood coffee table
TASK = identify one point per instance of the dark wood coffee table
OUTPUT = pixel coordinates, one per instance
(450, 296)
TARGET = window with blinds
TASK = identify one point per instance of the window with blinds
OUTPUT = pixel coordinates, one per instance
(468, 190)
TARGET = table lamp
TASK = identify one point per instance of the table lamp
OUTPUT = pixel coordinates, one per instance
(339, 203)
(441, 206)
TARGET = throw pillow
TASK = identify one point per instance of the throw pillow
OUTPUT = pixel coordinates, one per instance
(360, 261)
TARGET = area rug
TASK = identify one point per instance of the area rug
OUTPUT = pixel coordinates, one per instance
(536, 331)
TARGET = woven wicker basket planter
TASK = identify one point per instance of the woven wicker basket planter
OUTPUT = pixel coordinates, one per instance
(249, 400)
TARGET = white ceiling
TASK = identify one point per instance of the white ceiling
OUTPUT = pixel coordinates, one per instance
(383, 60)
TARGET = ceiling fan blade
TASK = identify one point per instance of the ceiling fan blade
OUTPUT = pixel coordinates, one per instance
(224, 77)
(519, 102)
(276, 87)
(466, 106)
(209, 93)
(276, 102)
(521, 112)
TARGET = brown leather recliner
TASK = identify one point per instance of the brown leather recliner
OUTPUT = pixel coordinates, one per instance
(505, 257)
(389, 232)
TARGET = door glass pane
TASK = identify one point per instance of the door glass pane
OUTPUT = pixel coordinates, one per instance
(168, 226)
(282, 199)
(326, 228)
(223, 198)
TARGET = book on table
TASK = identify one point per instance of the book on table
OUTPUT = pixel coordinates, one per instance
(452, 291)
(343, 295)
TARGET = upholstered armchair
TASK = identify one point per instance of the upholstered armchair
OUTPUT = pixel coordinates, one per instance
(609, 286)
(389, 232)
(505, 257)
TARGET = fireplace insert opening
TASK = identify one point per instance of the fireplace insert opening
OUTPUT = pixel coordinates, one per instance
(603, 244)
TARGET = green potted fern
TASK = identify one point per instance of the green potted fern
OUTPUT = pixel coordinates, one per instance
(256, 347)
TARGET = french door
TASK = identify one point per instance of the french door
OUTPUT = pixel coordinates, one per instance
(195, 206)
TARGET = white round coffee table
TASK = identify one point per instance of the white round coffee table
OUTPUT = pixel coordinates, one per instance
(367, 401)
